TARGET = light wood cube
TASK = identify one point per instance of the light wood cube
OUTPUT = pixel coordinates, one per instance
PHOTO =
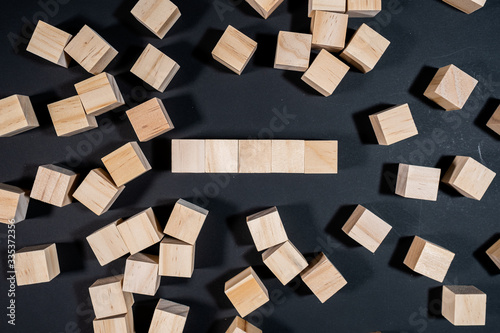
(16, 115)
(69, 117)
(428, 259)
(323, 278)
(48, 42)
(99, 94)
(366, 228)
(185, 221)
(365, 49)
(13, 204)
(140, 231)
(234, 49)
(150, 119)
(464, 305)
(156, 15)
(188, 156)
(450, 88)
(123, 323)
(494, 122)
(418, 182)
(108, 298)
(126, 163)
(141, 274)
(466, 6)
(240, 325)
(328, 30)
(266, 229)
(469, 177)
(293, 51)
(494, 253)
(255, 156)
(325, 73)
(169, 317)
(264, 7)
(288, 156)
(363, 8)
(107, 243)
(54, 185)
(338, 6)
(176, 258)
(36, 264)
(246, 292)
(285, 261)
(221, 156)
(320, 157)
(393, 125)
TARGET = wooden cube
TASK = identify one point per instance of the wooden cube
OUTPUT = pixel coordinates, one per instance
(323, 278)
(155, 68)
(99, 94)
(16, 115)
(418, 182)
(428, 259)
(234, 49)
(338, 6)
(48, 42)
(466, 6)
(123, 323)
(108, 298)
(325, 73)
(266, 229)
(494, 122)
(221, 156)
(140, 231)
(255, 156)
(288, 156)
(185, 221)
(141, 274)
(293, 51)
(246, 292)
(363, 8)
(13, 204)
(36, 264)
(285, 261)
(365, 49)
(150, 119)
(469, 177)
(90, 50)
(107, 243)
(169, 317)
(464, 305)
(240, 325)
(264, 7)
(156, 15)
(54, 185)
(126, 163)
(450, 88)
(69, 117)
(494, 253)
(176, 258)
(328, 30)
(366, 228)
(393, 125)
(320, 157)
(188, 156)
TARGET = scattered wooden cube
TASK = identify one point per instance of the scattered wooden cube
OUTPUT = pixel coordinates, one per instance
(221, 156)
(185, 221)
(285, 261)
(108, 298)
(365, 49)
(13, 204)
(323, 278)
(266, 229)
(90, 50)
(126, 163)
(150, 119)
(464, 305)
(393, 125)
(466, 6)
(48, 42)
(328, 30)
(428, 259)
(325, 73)
(366, 228)
(494, 122)
(141, 274)
(54, 185)
(99, 94)
(156, 15)
(469, 177)
(16, 115)
(169, 317)
(288, 156)
(176, 258)
(255, 156)
(234, 49)
(338, 6)
(69, 117)
(293, 51)
(246, 292)
(240, 325)
(140, 231)
(36, 264)
(264, 7)
(450, 88)
(494, 253)
(123, 323)
(188, 156)
(107, 243)
(320, 156)
(418, 182)
(363, 8)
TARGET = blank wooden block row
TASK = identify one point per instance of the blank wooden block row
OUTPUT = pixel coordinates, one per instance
(13, 204)
(466, 6)
(99, 94)
(234, 49)
(54, 185)
(240, 325)
(169, 317)
(108, 298)
(464, 305)
(150, 119)
(494, 122)
(16, 115)
(354, 8)
(126, 163)
(123, 323)
(393, 125)
(158, 16)
(246, 292)
(494, 253)
(36, 264)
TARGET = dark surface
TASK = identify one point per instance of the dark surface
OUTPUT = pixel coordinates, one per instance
(205, 100)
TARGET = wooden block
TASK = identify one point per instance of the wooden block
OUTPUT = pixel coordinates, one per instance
(156, 15)
(54, 185)
(288, 156)
(169, 317)
(494, 122)
(126, 163)
(176, 258)
(150, 119)
(469, 177)
(464, 305)
(323, 278)
(140, 231)
(325, 73)
(365, 49)
(36, 264)
(264, 7)
(320, 157)
(255, 156)
(13, 204)
(188, 156)
(466, 6)
(16, 115)
(494, 253)
(108, 298)
(285, 261)
(48, 42)
(393, 125)
(234, 49)
(107, 243)
(123, 323)
(141, 274)
(293, 51)
(450, 88)
(266, 229)
(246, 292)
(221, 156)
(155, 68)
(69, 117)
(240, 325)
(185, 221)
(418, 182)
(366, 228)
(99, 94)
(363, 8)
(428, 259)
(90, 50)
(338, 6)
(328, 30)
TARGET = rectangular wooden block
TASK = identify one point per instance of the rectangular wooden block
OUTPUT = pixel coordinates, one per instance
(338, 6)
(293, 51)
(246, 292)
(69, 117)
(176, 258)
(466, 6)
(393, 125)
(16, 115)
(54, 185)
(363, 8)
(234, 49)
(150, 119)
(494, 253)
(418, 182)
(169, 317)
(221, 156)
(185, 221)
(107, 243)
(325, 73)
(36, 264)
(285, 261)
(240, 325)
(320, 157)
(464, 305)
(266, 229)
(117, 324)
(99, 94)
(288, 156)
(328, 30)
(140, 231)
(48, 42)
(141, 274)
(108, 298)
(494, 122)
(13, 204)
(264, 7)
(156, 15)
(255, 156)
(188, 156)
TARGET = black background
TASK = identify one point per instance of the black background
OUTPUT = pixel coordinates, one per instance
(205, 100)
